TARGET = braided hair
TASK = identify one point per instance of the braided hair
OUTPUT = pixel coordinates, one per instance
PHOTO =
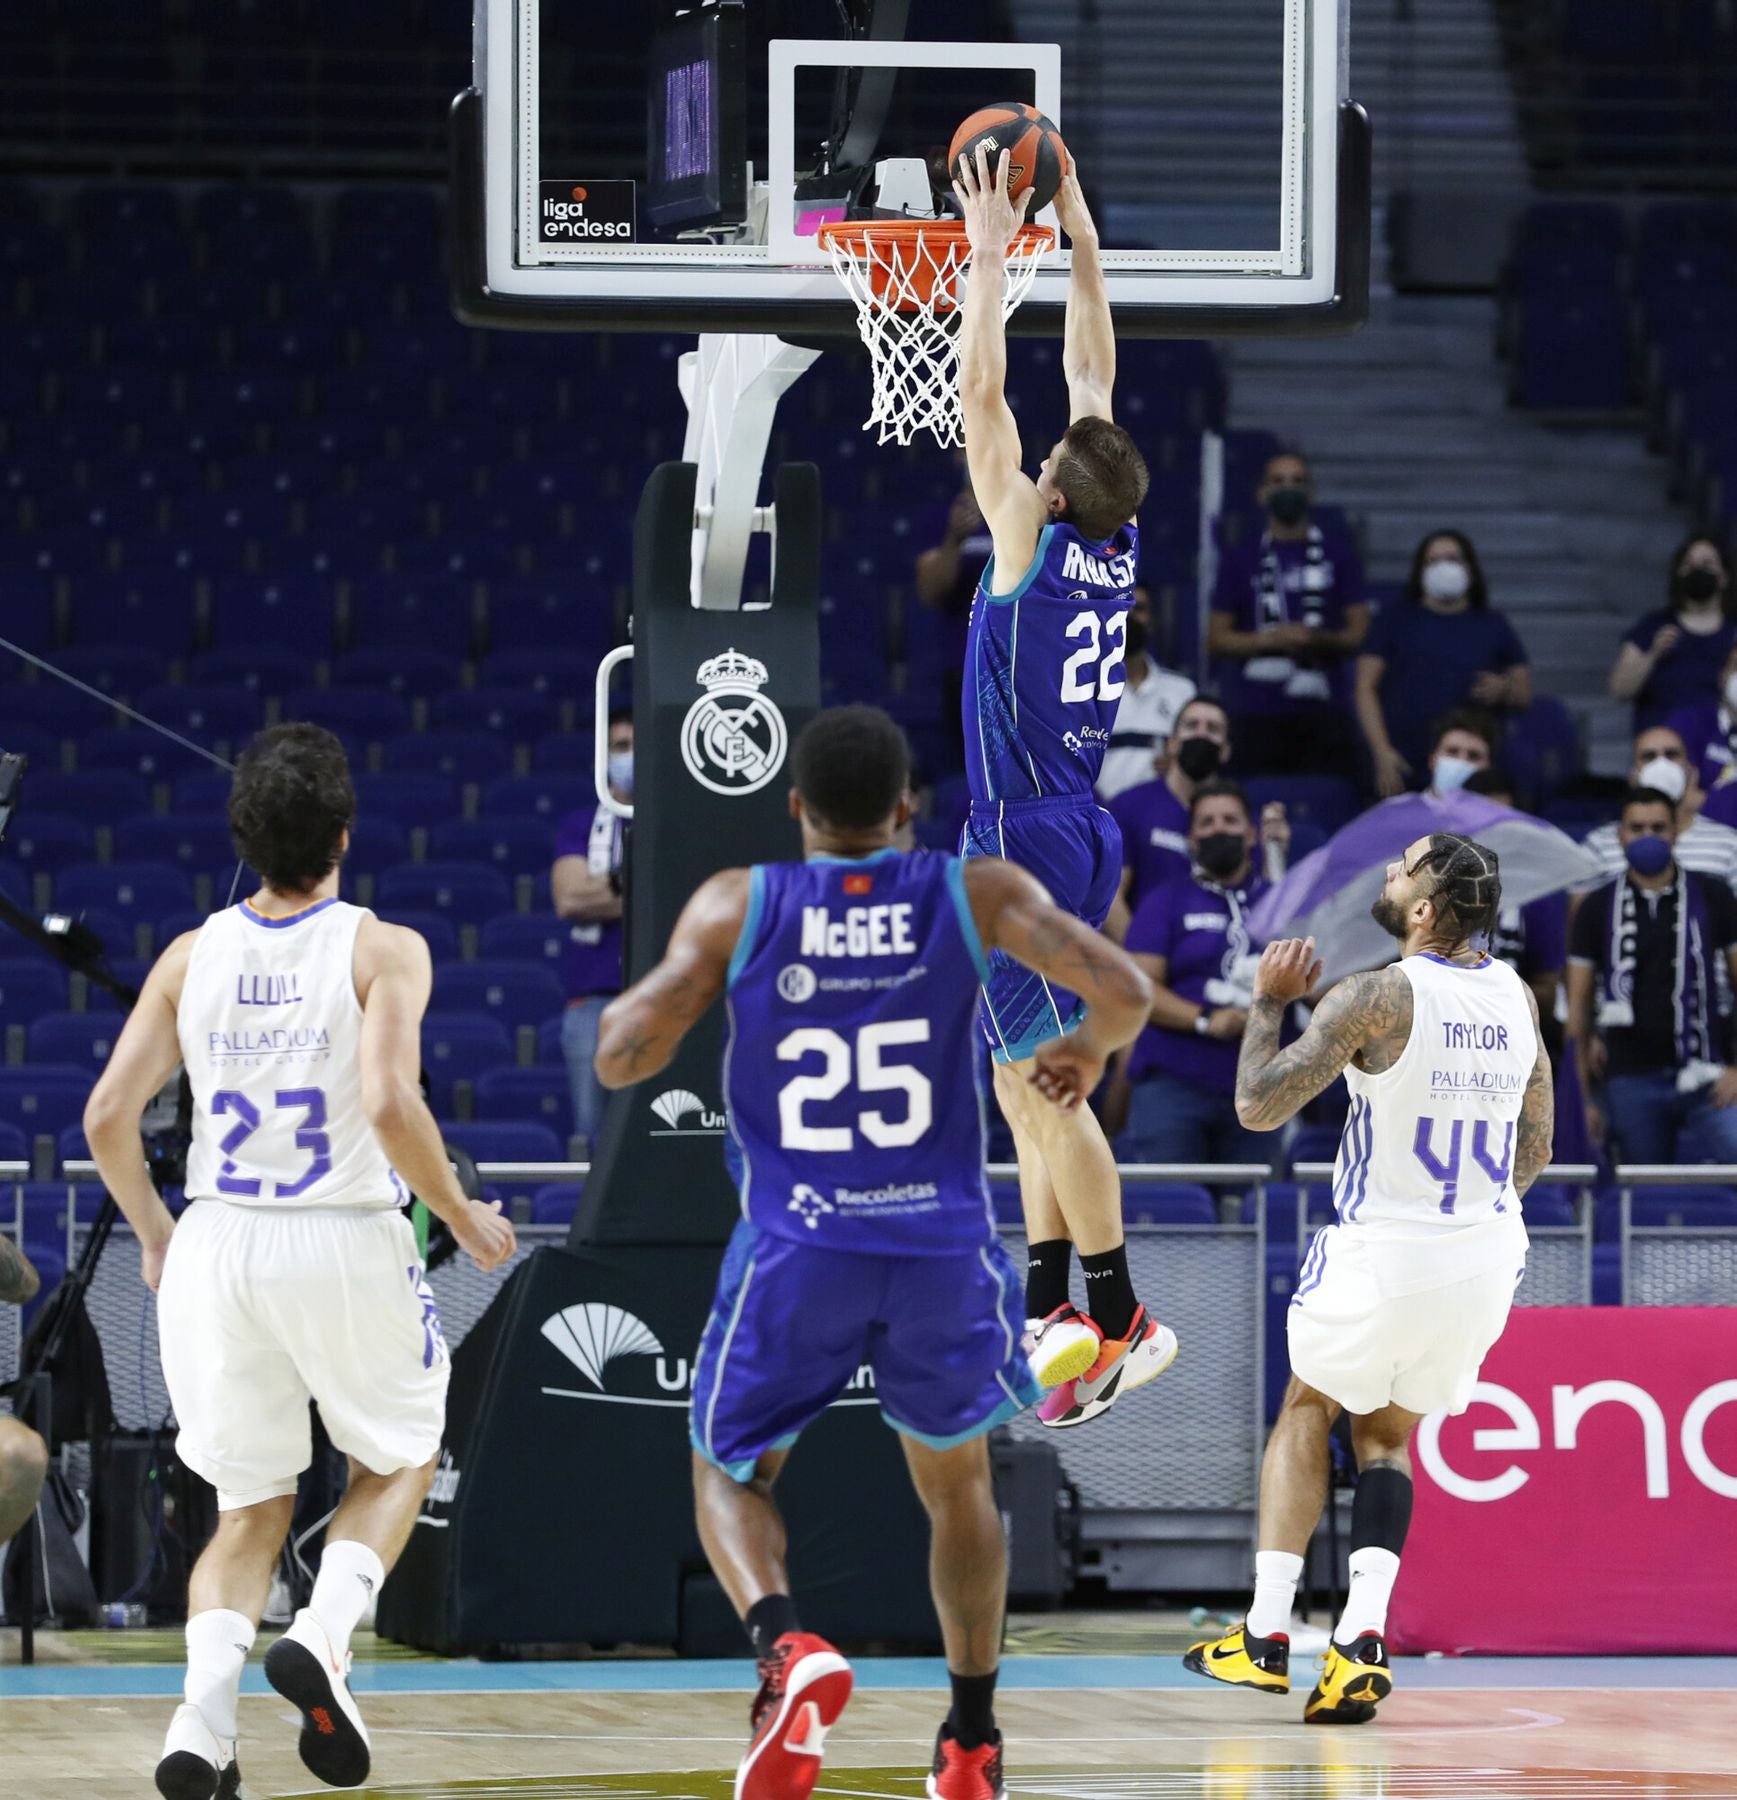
(1468, 885)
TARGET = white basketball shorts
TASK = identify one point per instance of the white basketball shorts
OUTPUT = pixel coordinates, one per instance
(1359, 1343)
(262, 1309)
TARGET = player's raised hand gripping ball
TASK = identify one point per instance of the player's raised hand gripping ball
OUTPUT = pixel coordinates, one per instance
(992, 218)
(1287, 971)
(1037, 159)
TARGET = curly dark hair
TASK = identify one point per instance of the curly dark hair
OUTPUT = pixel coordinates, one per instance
(851, 765)
(1467, 890)
(290, 805)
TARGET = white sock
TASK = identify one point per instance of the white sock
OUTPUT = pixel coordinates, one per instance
(349, 1579)
(217, 1647)
(1277, 1573)
(1373, 1573)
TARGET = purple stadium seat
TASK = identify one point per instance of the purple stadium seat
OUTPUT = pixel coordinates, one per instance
(415, 674)
(375, 846)
(123, 609)
(43, 1100)
(133, 750)
(1168, 1203)
(460, 1047)
(205, 713)
(1315, 799)
(564, 752)
(1686, 1208)
(14, 1147)
(412, 800)
(52, 708)
(526, 938)
(1541, 748)
(556, 1203)
(549, 1041)
(515, 993)
(550, 671)
(256, 669)
(1573, 356)
(549, 797)
(461, 892)
(297, 614)
(434, 612)
(517, 714)
(123, 670)
(194, 843)
(462, 756)
(514, 1141)
(46, 843)
(72, 1037)
(30, 611)
(436, 929)
(513, 846)
(30, 988)
(1315, 1143)
(542, 1095)
(376, 516)
(454, 554)
(1548, 1204)
(135, 893)
(365, 713)
(105, 795)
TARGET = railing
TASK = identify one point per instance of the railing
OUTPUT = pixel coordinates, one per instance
(1676, 1265)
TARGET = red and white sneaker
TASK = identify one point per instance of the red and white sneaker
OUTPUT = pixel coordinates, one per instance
(1123, 1364)
(966, 1774)
(1062, 1346)
(804, 1686)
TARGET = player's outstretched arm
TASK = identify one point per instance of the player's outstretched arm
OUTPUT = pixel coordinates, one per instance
(146, 1054)
(1366, 1016)
(1015, 914)
(642, 1029)
(393, 980)
(1536, 1134)
(1012, 507)
(1089, 337)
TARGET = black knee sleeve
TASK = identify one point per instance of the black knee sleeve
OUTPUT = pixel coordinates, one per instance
(1381, 1510)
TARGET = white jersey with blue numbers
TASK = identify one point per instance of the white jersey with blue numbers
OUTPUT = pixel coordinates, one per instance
(851, 1074)
(1428, 1148)
(271, 1035)
(1046, 665)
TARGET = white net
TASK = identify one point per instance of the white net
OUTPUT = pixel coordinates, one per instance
(908, 282)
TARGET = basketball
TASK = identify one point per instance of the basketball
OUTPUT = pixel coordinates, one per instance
(1036, 156)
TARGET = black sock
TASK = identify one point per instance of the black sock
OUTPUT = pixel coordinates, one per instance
(768, 1620)
(1047, 1266)
(1381, 1509)
(1109, 1291)
(972, 1720)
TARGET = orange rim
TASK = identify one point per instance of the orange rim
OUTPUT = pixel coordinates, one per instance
(894, 249)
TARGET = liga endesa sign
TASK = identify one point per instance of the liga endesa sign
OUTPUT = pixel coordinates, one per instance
(1586, 1502)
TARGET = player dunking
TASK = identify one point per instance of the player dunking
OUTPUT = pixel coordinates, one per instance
(293, 1273)
(867, 1235)
(1044, 672)
(1399, 1302)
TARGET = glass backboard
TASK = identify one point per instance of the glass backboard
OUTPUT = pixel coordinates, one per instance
(667, 166)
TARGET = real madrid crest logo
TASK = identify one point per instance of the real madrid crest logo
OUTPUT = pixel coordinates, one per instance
(734, 738)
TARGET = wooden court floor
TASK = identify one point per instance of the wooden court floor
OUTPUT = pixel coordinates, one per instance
(1079, 1727)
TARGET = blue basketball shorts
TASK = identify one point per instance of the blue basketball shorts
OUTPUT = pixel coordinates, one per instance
(935, 1340)
(1074, 848)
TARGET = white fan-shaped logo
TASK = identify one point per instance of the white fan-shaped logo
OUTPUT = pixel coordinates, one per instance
(675, 1106)
(591, 1337)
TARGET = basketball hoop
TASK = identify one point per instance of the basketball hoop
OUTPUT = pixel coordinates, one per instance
(907, 277)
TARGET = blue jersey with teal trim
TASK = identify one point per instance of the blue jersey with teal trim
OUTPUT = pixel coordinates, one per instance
(856, 1116)
(1045, 668)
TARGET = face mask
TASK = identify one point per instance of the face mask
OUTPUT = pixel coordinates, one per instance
(621, 770)
(1198, 757)
(1648, 855)
(1136, 635)
(1697, 586)
(1664, 777)
(1288, 505)
(1221, 853)
(1450, 772)
(1446, 580)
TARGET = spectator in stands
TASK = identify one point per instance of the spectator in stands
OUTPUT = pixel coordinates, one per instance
(1440, 647)
(1671, 657)
(1708, 729)
(23, 1455)
(1288, 614)
(1462, 744)
(1150, 706)
(1661, 763)
(1651, 958)
(1531, 939)
(585, 884)
(1154, 815)
(946, 578)
(1190, 935)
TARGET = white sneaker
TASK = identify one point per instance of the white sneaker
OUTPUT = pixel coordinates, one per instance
(1124, 1364)
(303, 1667)
(197, 1764)
(1061, 1347)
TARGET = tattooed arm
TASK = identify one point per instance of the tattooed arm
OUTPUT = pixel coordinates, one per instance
(1365, 1018)
(19, 1281)
(642, 1029)
(1537, 1129)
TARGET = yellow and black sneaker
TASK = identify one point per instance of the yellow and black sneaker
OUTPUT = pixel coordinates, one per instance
(1244, 1660)
(1352, 1682)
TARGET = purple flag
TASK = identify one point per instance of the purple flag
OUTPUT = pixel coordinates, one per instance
(1328, 894)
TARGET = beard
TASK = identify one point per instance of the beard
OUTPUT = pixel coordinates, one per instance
(1387, 915)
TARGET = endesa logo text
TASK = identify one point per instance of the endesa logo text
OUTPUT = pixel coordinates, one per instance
(580, 212)
(1665, 1449)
